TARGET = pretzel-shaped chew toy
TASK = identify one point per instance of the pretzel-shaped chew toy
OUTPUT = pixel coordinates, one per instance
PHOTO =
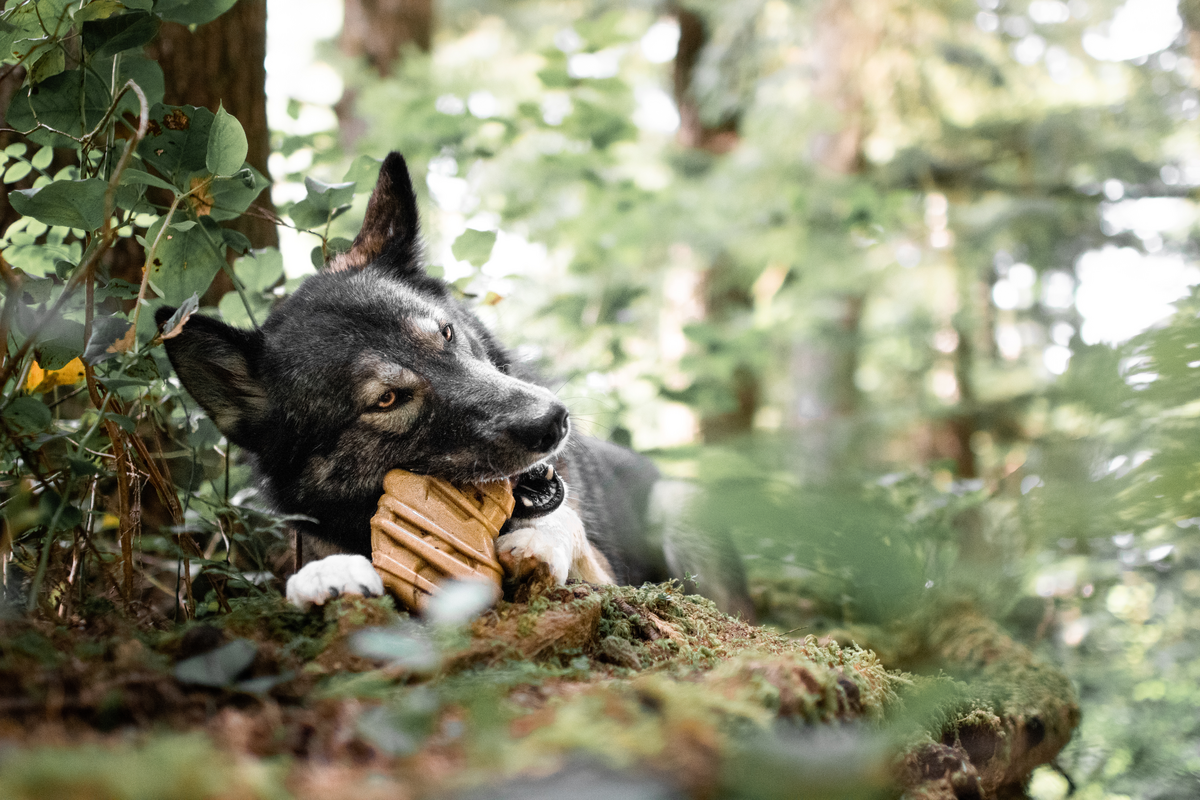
(427, 530)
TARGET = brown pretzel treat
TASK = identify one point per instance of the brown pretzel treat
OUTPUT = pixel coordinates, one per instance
(428, 530)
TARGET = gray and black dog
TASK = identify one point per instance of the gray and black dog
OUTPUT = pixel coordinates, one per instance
(372, 365)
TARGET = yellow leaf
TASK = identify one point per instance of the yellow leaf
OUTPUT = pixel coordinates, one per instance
(35, 377)
(41, 380)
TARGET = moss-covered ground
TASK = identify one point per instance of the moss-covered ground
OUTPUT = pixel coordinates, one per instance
(640, 692)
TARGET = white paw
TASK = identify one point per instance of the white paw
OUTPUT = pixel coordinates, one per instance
(332, 577)
(548, 540)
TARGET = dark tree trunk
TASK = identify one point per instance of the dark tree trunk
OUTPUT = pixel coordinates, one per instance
(719, 138)
(378, 31)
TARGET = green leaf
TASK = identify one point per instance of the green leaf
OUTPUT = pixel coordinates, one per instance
(50, 63)
(101, 9)
(364, 171)
(111, 35)
(193, 12)
(28, 414)
(17, 171)
(227, 145)
(236, 241)
(57, 353)
(42, 158)
(122, 290)
(234, 312)
(185, 262)
(217, 668)
(177, 145)
(328, 196)
(261, 270)
(136, 177)
(143, 71)
(73, 102)
(306, 216)
(26, 27)
(323, 203)
(474, 246)
(72, 204)
(230, 197)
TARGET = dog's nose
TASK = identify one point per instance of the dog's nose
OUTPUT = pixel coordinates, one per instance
(544, 434)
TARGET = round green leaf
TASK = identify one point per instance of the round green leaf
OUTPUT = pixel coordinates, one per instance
(227, 145)
(186, 261)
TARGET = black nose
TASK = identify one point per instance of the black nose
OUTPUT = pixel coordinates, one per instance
(545, 433)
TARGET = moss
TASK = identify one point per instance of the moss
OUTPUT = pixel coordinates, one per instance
(166, 768)
(1005, 710)
(633, 676)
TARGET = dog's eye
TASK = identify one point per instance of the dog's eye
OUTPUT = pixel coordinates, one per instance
(448, 332)
(392, 398)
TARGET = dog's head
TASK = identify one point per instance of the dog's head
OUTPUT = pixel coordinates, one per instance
(370, 365)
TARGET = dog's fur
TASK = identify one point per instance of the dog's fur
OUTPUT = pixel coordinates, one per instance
(373, 365)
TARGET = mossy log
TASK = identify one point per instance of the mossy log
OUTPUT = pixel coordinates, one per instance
(645, 681)
(1009, 713)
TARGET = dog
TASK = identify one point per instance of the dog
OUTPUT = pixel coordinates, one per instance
(373, 364)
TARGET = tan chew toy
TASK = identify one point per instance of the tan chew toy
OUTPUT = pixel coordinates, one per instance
(428, 530)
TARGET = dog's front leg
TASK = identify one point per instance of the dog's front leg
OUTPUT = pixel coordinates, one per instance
(557, 543)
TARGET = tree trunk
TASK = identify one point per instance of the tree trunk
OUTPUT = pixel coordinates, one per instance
(720, 138)
(378, 30)
(716, 297)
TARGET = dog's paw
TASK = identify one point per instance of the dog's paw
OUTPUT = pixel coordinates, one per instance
(543, 548)
(333, 576)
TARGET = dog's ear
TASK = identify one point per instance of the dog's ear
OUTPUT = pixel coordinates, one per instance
(216, 364)
(389, 231)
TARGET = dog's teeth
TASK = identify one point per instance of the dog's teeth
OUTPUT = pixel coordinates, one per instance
(549, 472)
(528, 503)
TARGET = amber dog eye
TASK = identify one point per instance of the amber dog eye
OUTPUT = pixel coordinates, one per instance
(448, 332)
(392, 398)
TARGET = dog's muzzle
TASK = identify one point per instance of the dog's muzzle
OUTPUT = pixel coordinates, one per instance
(537, 492)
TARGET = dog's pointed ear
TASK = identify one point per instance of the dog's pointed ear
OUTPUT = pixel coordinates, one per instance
(389, 231)
(216, 364)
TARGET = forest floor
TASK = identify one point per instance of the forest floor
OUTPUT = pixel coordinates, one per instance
(581, 690)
